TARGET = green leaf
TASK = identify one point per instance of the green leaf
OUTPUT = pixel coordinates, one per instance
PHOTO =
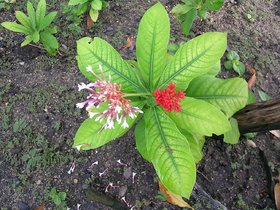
(40, 13)
(187, 20)
(27, 40)
(48, 19)
(215, 70)
(151, 44)
(213, 5)
(228, 65)
(31, 14)
(232, 55)
(49, 42)
(238, 67)
(229, 95)
(181, 9)
(15, 27)
(62, 195)
(57, 200)
(170, 153)
(76, 2)
(23, 19)
(232, 136)
(90, 134)
(141, 140)
(99, 52)
(96, 4)
(263, 96)
(35, 36)
(251, 98)
(196, 143)
(82, 8)
(94, 15)
(194, 59)
(200, 117)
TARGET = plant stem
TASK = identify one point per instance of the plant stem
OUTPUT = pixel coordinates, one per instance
(136, 94)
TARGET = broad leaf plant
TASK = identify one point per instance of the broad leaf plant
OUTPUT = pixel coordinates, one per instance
(36, 26)
(174, 101)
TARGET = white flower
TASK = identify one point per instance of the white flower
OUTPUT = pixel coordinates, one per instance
(125, 125)
(80, 105)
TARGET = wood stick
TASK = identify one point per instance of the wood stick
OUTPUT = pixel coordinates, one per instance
(263, 116)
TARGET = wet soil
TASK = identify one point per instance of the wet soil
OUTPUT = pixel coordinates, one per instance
(38, 94)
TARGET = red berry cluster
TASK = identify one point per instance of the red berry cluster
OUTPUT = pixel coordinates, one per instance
(169, 99)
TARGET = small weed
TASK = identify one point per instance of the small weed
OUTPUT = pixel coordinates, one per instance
(234, 63)
(19, 125)
(58, 198)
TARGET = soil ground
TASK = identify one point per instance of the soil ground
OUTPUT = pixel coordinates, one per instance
(39, 119)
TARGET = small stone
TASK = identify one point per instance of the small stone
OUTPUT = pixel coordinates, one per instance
(23, 206)
(39, 182)
(127, 172)
(21, 63)
(75, 181)
(251, 144)
(122, 191)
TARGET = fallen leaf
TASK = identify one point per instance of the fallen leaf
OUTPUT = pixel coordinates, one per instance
(275, 133)
(130, 43)
(252, 80)
(277, 193)
(42, 207)
(173, 198)
(89, 22)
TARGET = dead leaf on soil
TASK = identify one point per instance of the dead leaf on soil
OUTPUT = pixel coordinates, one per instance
(42, 207)
(130, 43)
(275, 133)
(277, 193)
(173, 198)
(89, 22)
(252, 80)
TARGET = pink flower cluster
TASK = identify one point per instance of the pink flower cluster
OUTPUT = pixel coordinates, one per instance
(103, 91)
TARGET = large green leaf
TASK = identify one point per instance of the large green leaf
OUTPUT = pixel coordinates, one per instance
(151, 44)
(232, 136)
(23, 19)
(15, 27)
(50, 42)
(31, 14)
(99, 52)
(198, 116)
(48, 19)
(76, 2)
(141, 140)
(40, 13)
(229, 95)
(194, 59)
(170, 153)
(196, 143)
(91, 136)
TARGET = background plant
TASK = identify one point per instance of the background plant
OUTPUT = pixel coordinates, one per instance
(187, 12)
(94, 7)
(233, 62)
(170, 133)
(36, 26)
(58, 198)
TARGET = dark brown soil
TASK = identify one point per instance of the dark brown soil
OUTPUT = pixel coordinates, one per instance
(42, 90)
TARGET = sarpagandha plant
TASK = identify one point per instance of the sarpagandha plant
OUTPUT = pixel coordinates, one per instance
(176, 100)
(36, 26)
(187, 12)
(94, 7)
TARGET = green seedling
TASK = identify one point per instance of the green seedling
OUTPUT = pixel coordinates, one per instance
(36, 26)
(94, 7)
(233, 62)
(58, 197)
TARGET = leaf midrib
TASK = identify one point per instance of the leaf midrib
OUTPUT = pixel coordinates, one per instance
(114, 69)
(218, 97)
(184, 67)
(164, 141)
(152, 58)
